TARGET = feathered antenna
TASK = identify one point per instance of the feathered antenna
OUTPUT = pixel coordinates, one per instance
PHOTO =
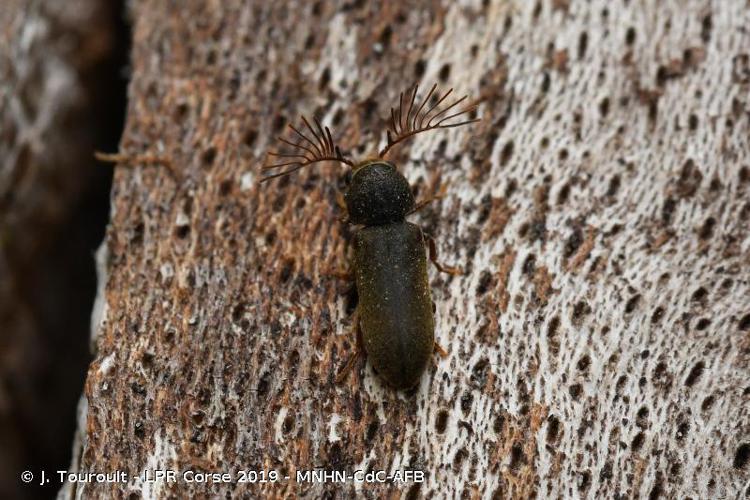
(405, 126)
(309, 151)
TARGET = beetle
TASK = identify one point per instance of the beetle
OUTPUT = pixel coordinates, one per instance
(394, 316)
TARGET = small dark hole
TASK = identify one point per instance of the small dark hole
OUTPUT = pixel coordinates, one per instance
(225, 187)
(413, 493)
(575, 391)
(604, 107)
(706, 28)
(529, 264)
(499, 424)
(249, 138)
(667, 211)
(657, 491)
(707, 230)
(445, 73)
(573, 243)
(466, 400)
(385, 36)
(693, 122)
(614, 185)
(632, 303)
(553, 428)
(584, 363)
(419, 68)
(485, 281)
(441, 422)
(702, 324)
(583, 43)
(546, 81)
(288, 424)
(563, 195)
(641, 418)
(278, 123)
(310, 41)
(554, 325)
(181, 112)
(372, 430)
(700, 295)
(506, 153)
(517, 457)
(325, 79)
(208, 157)
(286, 272)
(630, 36)
(580, 309)
(263, 385)
(637, 441)
(237, 312)
(459, 458)
(682, 431)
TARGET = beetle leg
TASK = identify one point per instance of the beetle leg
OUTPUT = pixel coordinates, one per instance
(341, 202)
(356, 355)
(342, 274)
(439, 349)
(433, 258)
(129, 159)
(439, 196)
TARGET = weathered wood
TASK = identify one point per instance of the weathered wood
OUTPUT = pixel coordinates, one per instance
(598, 341)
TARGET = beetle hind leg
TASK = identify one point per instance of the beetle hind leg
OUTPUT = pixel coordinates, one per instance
(440, 350)
(345, 274)
(434, 258)
(358, 354)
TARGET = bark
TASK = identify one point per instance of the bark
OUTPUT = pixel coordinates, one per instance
(598, 341)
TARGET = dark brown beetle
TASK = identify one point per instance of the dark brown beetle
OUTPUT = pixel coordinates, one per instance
(394, 312)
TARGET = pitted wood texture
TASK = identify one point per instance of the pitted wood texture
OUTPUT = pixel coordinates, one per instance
(598, 340)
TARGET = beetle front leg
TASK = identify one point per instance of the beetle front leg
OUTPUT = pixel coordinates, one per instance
(434, 256)
(341, 202)
(439, 196)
